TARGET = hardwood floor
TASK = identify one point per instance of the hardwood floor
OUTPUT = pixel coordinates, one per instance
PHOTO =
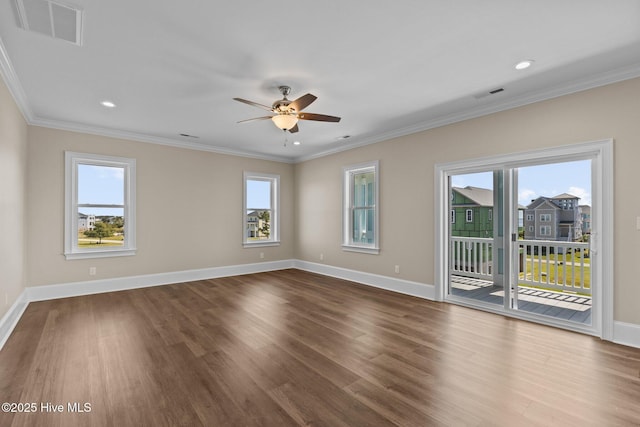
(296, 348)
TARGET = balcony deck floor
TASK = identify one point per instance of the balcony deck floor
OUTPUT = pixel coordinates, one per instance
(571, 307)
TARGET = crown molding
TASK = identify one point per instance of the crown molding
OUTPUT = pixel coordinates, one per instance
(579, 85)
(17, 92)
(13, 84)
(134, 136)
(597, 80)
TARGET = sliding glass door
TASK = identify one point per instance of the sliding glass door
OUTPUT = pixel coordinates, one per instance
(520, 238)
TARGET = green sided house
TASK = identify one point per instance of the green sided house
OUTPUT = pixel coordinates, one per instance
(471, 212)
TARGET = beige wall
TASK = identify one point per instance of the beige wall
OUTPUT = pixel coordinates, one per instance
(189, 202)
(407, 183)
(13, 170)
(189, 209)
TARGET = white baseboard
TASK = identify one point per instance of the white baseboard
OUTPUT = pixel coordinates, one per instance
(407, 287)
(626, 334)
(65, 290)
(11, 318)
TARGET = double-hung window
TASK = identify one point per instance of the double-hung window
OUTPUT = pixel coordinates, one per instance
(361, 218)
(260, 211)
(99, 206)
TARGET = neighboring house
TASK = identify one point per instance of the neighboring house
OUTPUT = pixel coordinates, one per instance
(471, 212)
(254, 224)
(553, 218)
(86, 222)
(585, 216)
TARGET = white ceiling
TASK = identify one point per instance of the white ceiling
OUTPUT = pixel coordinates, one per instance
(387, 68)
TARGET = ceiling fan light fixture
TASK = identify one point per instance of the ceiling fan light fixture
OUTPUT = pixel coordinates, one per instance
(285, 121)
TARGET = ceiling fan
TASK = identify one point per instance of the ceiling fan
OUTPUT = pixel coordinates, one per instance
(287, 113)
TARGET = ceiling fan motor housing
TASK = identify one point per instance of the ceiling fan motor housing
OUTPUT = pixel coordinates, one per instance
(281, 106)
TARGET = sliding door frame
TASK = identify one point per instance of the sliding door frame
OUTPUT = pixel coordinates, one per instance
(601, 155)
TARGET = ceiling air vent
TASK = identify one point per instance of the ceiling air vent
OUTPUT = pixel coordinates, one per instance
(491, 92)
(51, 18)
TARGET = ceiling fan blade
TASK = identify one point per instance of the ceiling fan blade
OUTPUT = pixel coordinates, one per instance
(294, 129)
(318, 117)
(303, 102)
(255, 118)
(255, 104)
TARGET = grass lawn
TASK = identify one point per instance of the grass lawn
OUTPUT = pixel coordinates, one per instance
(559, 269)
(92, 242)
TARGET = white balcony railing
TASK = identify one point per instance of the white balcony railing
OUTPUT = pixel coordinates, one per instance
(562, 266)
(471, 257)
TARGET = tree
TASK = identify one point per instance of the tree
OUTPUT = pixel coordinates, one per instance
(118, 222)
(265, 223)
(100, 230)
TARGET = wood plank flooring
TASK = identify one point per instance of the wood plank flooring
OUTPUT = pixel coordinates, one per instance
(294, 348)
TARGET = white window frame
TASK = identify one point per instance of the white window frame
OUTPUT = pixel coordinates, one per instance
(348, 172)
(71, 248)
(545, 230)
(601, 155)
(274, 237)
(545, 217)
(469, 215)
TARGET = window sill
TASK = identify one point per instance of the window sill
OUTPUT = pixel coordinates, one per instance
(361, 249)
(260, 244)
(99, 254)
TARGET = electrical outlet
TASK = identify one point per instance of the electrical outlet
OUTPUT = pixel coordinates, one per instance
(397, 269)
(321, 257)
(92, 271)
(261, 255)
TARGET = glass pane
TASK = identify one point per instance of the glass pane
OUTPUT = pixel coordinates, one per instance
(363, 226)
(100, 227)
(258, 194)
(554, 263)
(474, 274)
(258, 226)
(364, 189)
(100, 185)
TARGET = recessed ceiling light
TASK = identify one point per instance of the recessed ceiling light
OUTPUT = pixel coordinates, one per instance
(296, 142)
(524, 64)
(108, 104)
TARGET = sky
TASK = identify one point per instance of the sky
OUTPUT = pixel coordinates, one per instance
(100, 185)
(542, 180)
(258, 194)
